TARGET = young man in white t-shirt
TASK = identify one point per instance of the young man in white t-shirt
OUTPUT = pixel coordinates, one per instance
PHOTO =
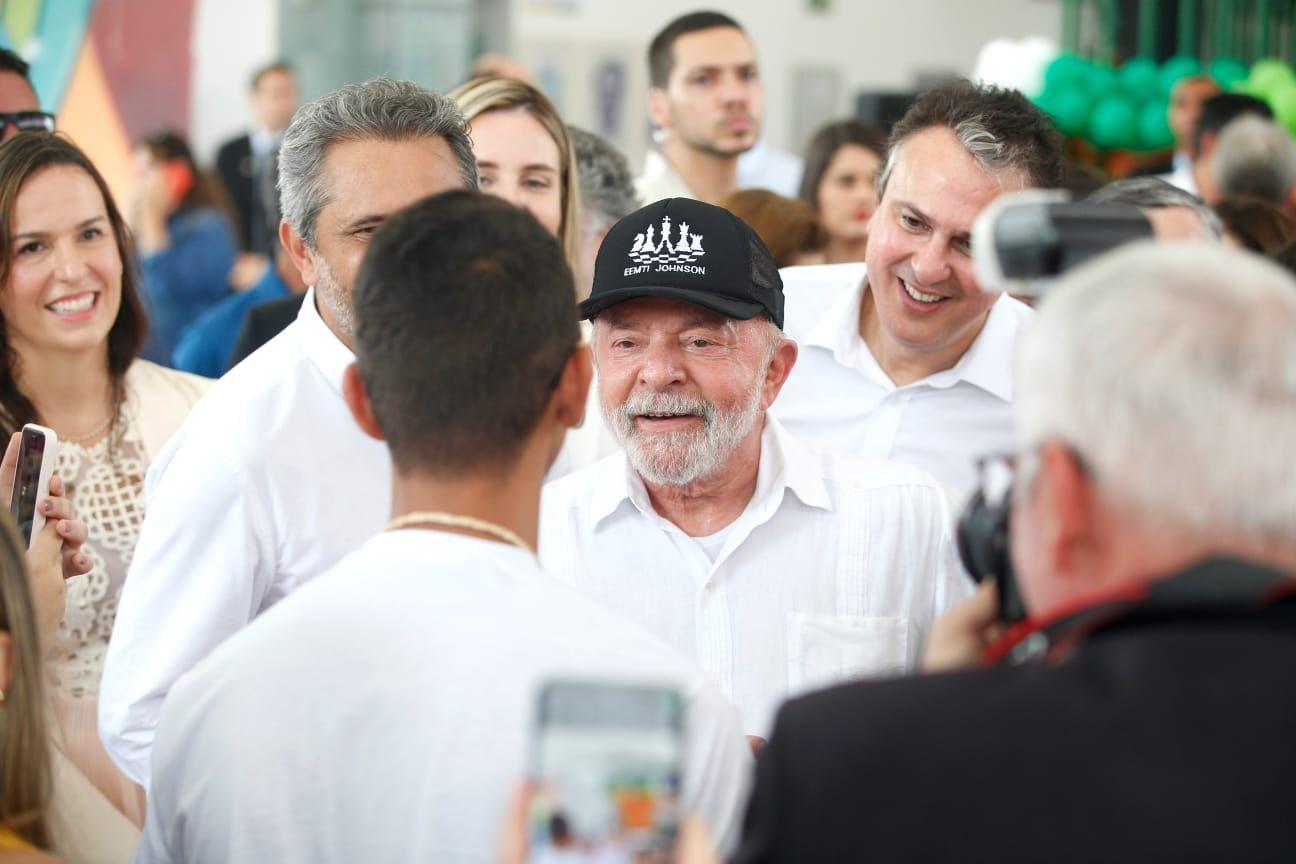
(382, 712)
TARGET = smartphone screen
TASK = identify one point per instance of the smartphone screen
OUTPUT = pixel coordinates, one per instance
(607, 765)
(27, 482)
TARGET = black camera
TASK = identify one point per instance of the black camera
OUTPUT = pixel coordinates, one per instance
(985, 547)
(1022, 241)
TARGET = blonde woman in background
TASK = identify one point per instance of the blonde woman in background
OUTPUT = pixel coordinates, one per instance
(71, 327)
(45, 803)
(524, 154)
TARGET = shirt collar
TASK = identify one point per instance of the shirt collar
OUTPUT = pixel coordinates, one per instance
(263, 141)
(785, 464)
(323, 348)
(660, 176)
(986, 364)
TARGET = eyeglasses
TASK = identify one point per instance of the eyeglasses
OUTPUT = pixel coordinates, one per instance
(28, 121)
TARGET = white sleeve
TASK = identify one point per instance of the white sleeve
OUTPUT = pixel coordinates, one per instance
(203, 565)
(718, 767)
(159, 842)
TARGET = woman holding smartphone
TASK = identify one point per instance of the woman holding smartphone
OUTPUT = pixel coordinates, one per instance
(524, 154)
(71, 327)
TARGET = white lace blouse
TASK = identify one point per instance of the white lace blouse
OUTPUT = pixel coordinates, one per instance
(105, 482)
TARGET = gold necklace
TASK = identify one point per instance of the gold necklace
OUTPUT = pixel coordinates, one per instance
(95, 433)
(452, 520)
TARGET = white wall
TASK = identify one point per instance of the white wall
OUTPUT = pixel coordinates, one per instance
(231, 38)
(872, 44)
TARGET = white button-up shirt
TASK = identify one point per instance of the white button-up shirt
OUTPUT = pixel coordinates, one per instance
(385, 712)
(266, 485)
(833, 571)
(837, 392)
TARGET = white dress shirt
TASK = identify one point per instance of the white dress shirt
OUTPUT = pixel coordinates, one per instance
(266, 485)
(384, 712)
(1182, 175)
(833, 571)
(837, 392)
(765, 166)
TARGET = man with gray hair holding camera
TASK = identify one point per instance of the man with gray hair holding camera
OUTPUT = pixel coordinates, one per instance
(1144, 710)
(269, 482)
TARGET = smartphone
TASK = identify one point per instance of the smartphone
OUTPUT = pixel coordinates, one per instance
(37, 458)
(607, 768)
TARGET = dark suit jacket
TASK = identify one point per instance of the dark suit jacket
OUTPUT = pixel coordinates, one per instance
(1168, 740)
(238, 172)
(262, 323)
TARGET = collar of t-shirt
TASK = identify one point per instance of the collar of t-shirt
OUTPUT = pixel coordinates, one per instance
(321, 344)
(987, 364)
(786, 464)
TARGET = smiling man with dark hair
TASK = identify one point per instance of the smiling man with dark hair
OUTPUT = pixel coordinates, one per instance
(905, 357)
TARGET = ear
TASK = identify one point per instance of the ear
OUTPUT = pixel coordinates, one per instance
(569, 398)
(6, 659)
(1069, 499)
(357, 399)
(659, 108)
(298, 251)
(785, 357)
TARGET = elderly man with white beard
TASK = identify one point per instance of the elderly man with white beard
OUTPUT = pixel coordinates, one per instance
(779, 565)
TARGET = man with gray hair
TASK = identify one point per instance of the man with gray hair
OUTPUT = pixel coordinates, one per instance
(904, 357)
(1256, 157)
(778, 566)
(1174, 213)
(268, 482)
(607, 192)
(1145, 711)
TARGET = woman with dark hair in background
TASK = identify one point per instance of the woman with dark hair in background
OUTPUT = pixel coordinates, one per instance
(180, 218)
(71, 326)
(841, 166)
(1254, 224)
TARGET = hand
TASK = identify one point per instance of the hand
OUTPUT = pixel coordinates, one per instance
(147, 211)
(56, 509)
(248, 269)
(960, 637)
(693, 847)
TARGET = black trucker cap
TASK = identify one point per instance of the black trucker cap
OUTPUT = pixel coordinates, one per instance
(691, 251)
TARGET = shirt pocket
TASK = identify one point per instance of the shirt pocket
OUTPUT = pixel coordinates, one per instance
(829, 649)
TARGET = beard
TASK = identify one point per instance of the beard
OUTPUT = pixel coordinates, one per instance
(683, 456)
(709, 141)
(329, 292)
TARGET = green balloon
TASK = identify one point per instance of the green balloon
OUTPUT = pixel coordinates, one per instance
(1270, 75)
(1227, 72)
(1153, 130)
(1179, 66)
(1139, 78)
(1070, 108)
(1283, 103)
(1067, 70)
(1100, 81)
(1112, 122)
